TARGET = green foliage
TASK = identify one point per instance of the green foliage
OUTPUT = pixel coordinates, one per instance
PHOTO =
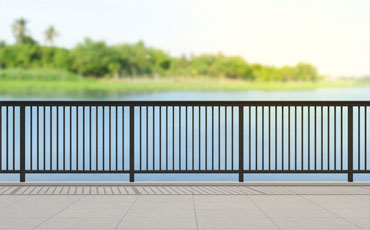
(97, 59)
(33, 56)
(93, 59)
(2, 44)
(138, 60)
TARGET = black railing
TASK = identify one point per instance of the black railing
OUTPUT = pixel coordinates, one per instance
(135, 137)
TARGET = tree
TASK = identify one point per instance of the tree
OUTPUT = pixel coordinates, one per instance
(306, 72)
(50, 34)
(19, 30)
(96, 59)
(2, 44)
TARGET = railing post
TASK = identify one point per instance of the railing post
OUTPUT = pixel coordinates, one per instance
(350, 143)
(132, 143)
(22, 135)
(241, 143)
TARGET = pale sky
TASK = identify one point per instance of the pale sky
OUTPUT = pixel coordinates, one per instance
(331, 34)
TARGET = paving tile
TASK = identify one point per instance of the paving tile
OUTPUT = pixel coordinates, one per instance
(295, 212)
(30, 212)
(229, 212)
(92, 212)
(7, 200)
(161, 212)
(349, 207)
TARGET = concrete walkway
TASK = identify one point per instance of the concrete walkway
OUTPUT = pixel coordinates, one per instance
(185, 206)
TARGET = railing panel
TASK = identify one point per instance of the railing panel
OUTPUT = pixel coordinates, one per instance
(77, 138)
(133, 137)
(186, 138)
(9, 138)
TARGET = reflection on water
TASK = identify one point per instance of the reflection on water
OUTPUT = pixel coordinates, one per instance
(321, 94)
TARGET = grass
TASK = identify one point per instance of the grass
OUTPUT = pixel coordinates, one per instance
(41, 83)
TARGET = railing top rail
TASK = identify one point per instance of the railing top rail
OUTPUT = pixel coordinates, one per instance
(186, 103)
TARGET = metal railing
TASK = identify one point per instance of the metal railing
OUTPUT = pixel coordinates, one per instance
(136, 137)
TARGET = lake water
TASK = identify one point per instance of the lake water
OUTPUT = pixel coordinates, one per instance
(320, 94)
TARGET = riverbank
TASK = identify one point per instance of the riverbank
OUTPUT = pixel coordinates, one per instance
(92, 88)
(21, 83)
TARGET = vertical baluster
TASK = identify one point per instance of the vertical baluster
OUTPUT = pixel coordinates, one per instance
(282, 137)
(192, 142)
(315, 136)
(132, 143)
(7, 139)
(263, 137)
(199, 141)
(140, 137)
(103, 141)
(322, 138)
(206, 137)
(359, 138)
(289, 146)
(1, 138)
(335, 137)
(116, 138)
(341, 137)
(109, 136)
(213, 130)
(147, 136)
(269, 135)
(232, 137)
(22, 149)
(90, 134)
(309, 137)
(50, 136)
(256, 127)
(77, 137)
(249, 135)
(225, 137)
(160, 137)
(70, 137)
(57, 137)
(295, 138)
(302, 159)
(64, 138)
(276, 138)
(97, 138)
(350, 143)
(153, 160)
(180, 147)
(123, 137)
(37, 137)
(186, 137)
(365, 131)
(328, 137)
(14, 142)
(83, 137)
(31, 137)
(166, 137)
(173, 137)
(241, 143)
(219, 137)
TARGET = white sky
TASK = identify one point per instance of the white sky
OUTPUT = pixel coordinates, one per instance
(331, 34)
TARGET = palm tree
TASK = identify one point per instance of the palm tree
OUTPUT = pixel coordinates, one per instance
(19, 30)
(50, 34)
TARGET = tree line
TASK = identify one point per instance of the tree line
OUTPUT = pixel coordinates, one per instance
(97, 59)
